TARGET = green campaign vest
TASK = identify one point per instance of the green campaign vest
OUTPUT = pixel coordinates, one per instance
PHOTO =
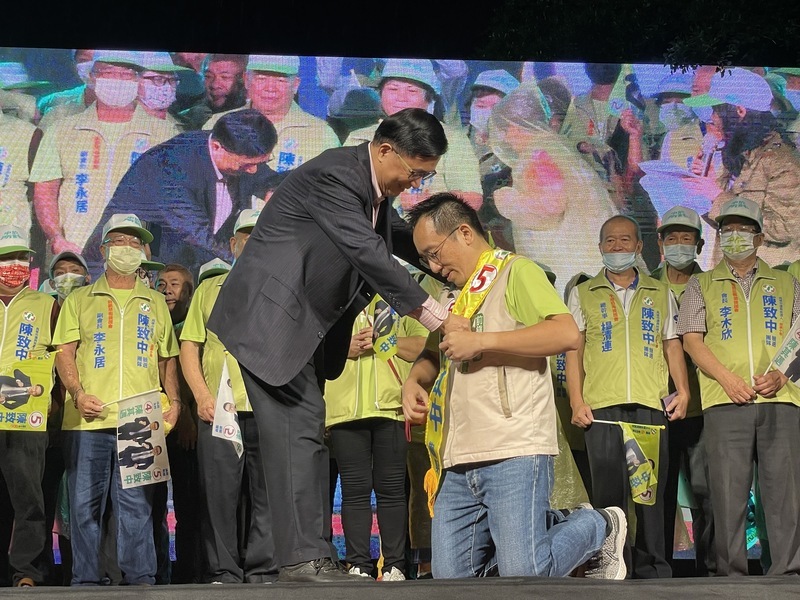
(26, 326)
(695, 408)
(745, 333)
(624, 354)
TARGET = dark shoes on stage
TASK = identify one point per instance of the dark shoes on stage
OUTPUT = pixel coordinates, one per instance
(321, 570)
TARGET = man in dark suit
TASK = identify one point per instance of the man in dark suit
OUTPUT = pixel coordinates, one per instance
(17, 390)
(191, 188)
(320, 248)
(139, 430)
(140, 456)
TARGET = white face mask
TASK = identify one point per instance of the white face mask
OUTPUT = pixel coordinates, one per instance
(157, 97)
(737, 245)
(65, 283)
(618, 262)
(479, 118)
(116, 92)
(674, 114)
(83, 69)
(680, 256)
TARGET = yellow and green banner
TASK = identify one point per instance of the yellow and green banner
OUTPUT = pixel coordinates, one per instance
(25, 393)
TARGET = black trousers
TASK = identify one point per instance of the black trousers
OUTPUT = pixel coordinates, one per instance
(291, 424)
(22, 467)
(610, 485)
(223, 476)
(687, 450)
(371, 454)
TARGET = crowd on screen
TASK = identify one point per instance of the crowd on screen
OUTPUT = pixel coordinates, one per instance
(149, 175)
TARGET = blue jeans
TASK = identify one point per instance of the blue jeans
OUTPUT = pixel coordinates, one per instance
(92, 474)
(499, 514)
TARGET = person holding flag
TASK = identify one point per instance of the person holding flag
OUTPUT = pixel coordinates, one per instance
(28, 317)
(491, 416)
(733, 320)
(116, 340)
(365, 421)
(223, 462)
(616, 379)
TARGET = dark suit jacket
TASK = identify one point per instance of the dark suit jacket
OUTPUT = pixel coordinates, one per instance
(137, 430)
(310, 265)
(173, 187)
(15, 401)
(139, 456)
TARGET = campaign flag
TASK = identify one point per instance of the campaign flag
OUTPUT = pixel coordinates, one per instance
(621, 94)
(787, 359)
(141, 441)
(641, 456)
(385, 324)
(226, 419)
(25, 393)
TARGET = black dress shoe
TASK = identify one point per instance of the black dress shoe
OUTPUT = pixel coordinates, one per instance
(321, 570)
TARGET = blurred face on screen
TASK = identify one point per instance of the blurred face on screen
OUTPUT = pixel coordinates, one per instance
(114, 85)
(271, 94)
(222, 79)
(229, 163)
(397, 94)
(175, 288)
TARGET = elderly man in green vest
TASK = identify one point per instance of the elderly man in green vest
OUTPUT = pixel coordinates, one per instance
(680, 239)
(620, 372)
(733, 319)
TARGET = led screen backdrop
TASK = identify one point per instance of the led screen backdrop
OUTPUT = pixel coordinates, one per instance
(545, 151)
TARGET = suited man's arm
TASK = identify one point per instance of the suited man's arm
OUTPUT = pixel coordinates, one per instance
(341, 214)
(403, 243)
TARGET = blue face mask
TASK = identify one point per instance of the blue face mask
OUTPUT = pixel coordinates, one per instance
(617, 262)
(680, 256)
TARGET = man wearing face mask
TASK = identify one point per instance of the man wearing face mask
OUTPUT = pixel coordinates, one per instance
(68, 272)
(683, 135)
(158, 83)
(82, 157)
(72, 101)
(620, 372)
(116, 340)
(733, 319)
(29, 317)
(222, 472)
(680, 241)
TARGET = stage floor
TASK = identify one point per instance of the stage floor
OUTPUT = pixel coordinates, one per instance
(512, 588)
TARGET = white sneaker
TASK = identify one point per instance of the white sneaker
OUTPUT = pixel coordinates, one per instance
(394, 575)
(609, 563)
(359, 572)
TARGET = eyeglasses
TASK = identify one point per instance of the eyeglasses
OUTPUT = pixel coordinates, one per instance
(737, 228)
(161, 80)
(433, 256)
(124, 240)
(414, 174)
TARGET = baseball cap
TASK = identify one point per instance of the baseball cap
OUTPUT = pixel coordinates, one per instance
(216, 266)
(127, 221)
(680, 215)
(247, 218)
(497, 79)
(13, 239)
(736, 86)
(14, 76)
(415, 69)
(161, 62)
(67, 254)
(286, 65)
(126, 58)
(741, 207)
(675, 83)
(152, 265)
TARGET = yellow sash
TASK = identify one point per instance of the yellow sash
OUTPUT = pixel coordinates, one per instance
(469, 300)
